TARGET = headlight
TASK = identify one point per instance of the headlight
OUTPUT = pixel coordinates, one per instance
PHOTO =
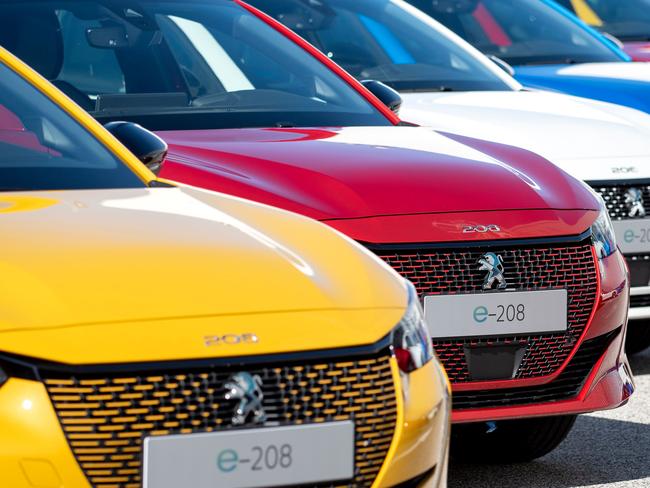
(410, 339)
(602, 235)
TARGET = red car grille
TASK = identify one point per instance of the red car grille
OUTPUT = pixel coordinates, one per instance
(566, 386)
(567, 266)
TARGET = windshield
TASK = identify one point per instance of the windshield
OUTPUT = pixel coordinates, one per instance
(628, 20)
(43, 148)
(519, 31)
(173, 65)
(386, 40)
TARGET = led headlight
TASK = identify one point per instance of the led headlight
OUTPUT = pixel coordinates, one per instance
(602, 235)
(410, 339)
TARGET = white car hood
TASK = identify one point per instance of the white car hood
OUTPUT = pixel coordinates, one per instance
(589, 139)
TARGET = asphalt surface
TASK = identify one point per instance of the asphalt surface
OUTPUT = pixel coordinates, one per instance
(606, 449)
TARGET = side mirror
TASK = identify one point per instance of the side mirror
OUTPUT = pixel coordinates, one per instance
(147, 146)
(502, 64)
(384, 93)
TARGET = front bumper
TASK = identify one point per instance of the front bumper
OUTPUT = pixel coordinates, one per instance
(606, 382)
(422, 442)
(34, 451)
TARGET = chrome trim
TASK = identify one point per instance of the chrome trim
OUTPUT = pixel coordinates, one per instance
(635, 291)
(637, 313)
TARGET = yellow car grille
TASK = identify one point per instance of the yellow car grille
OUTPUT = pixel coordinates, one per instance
(106, 418)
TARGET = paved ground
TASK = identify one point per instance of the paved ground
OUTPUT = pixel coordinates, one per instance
(608, 449)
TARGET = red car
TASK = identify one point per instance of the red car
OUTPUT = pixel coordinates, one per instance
(515, 262)
(638, 50)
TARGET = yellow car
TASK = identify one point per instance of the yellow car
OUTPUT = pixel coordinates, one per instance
(171, 337)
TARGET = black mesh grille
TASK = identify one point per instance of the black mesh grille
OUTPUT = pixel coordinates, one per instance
(105, 418)
(567, 385)
(615, 195)
(640, 301)
(639, 265)
(567, 266)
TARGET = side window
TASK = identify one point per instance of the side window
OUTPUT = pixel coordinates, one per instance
(89, 69)
(15, 139)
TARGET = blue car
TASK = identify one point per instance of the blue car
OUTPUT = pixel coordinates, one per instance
(548, 47)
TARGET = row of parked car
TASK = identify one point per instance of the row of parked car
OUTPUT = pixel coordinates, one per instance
(260, 244)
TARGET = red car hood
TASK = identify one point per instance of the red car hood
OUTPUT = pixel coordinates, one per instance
(367, 172)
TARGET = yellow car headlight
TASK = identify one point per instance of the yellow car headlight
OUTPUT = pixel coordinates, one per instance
(410, 340)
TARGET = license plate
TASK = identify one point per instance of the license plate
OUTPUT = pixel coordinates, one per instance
(633, 236)
(249, 458)
(496, 313)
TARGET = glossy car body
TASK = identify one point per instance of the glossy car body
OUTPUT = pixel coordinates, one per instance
(125, 307)
(410, 194)
(551, 49)
(628, 21)
(638, 51)
(463, 92)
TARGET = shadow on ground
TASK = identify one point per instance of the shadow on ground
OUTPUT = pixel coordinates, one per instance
(598, 451)
(640, 363)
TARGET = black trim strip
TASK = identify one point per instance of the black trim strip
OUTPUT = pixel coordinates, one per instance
(36, 369)
(160, 184)
(636, 182)
(574, 239)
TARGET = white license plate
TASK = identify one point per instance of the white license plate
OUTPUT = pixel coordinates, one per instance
(496, 313)
(633, 236)
(250, 458)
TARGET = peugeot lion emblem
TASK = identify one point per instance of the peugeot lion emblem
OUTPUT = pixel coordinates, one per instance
(493, 264)
(634, 202)
(247, 389)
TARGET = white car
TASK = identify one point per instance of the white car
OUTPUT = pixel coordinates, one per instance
(447, 84)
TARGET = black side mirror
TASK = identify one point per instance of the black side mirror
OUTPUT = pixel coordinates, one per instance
(384, 93)
(147, 146)
(502, 64)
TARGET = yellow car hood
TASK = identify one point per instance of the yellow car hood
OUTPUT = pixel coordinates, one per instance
(78, 260)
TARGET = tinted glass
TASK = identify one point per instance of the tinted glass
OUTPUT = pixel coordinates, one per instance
(184, 64)
(629, 20)
(43, 148)
(519, 31)
(385, 40)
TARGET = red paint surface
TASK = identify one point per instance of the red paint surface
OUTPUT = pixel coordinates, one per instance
(336, 174)
(638, 51)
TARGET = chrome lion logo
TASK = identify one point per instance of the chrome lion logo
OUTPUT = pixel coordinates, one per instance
(493, 264)
(246, 388)
(634, 202)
